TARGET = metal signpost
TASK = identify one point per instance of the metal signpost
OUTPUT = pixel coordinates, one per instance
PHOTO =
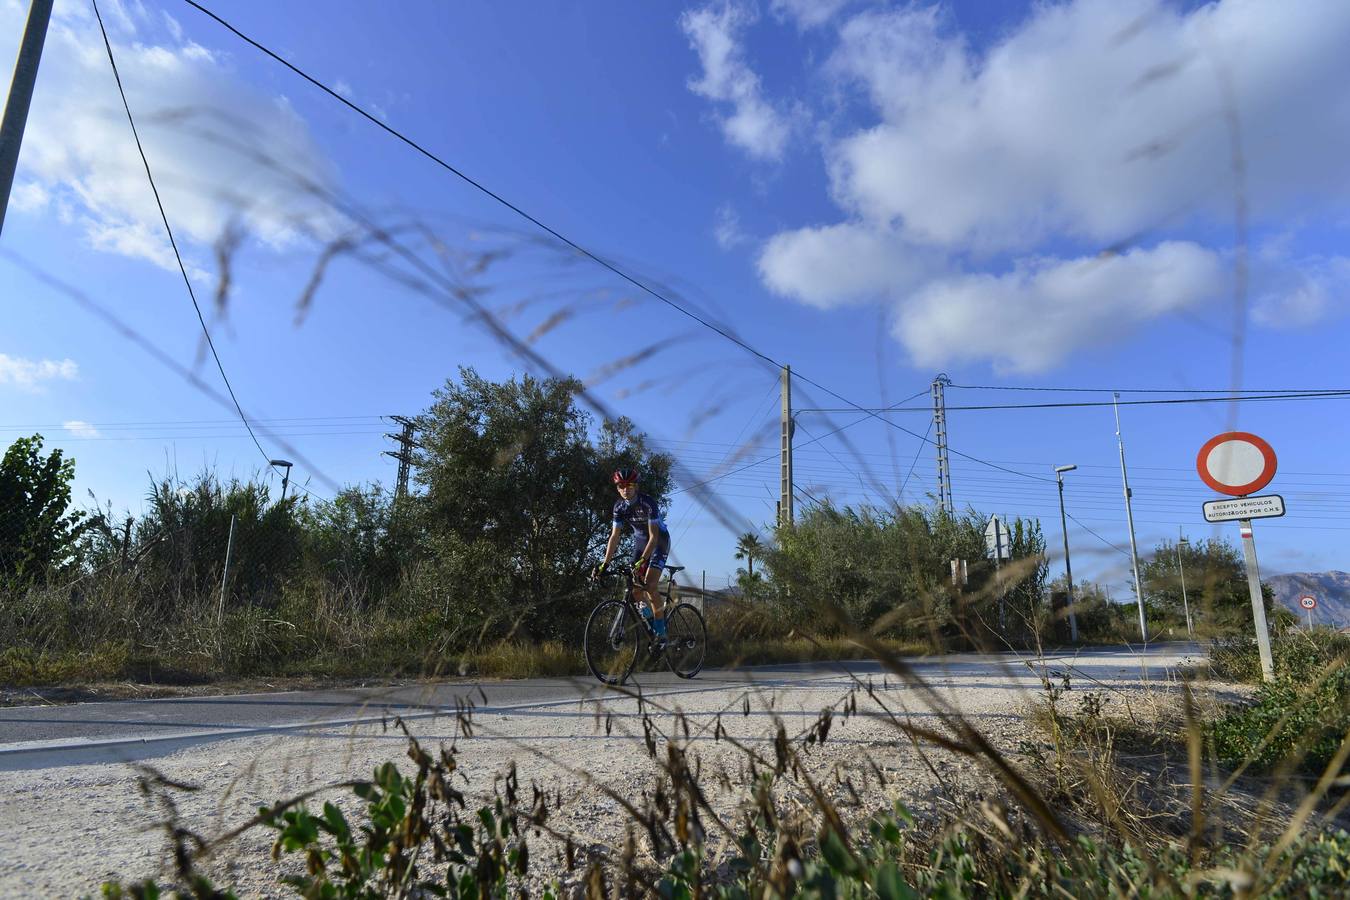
(1309, 603)
(1237, 463)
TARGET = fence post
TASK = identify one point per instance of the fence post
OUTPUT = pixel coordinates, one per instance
(225, 576)
(126, 542)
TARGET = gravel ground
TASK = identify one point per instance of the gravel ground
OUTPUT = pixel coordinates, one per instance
(66, 829)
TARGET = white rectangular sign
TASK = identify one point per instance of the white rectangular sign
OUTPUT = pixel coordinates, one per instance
(997, 539)
(1263, 507)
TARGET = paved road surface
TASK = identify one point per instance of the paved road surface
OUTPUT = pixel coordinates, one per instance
(40, 737)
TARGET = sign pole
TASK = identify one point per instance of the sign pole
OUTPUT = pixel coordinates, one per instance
(998, 565)
(1258, 603)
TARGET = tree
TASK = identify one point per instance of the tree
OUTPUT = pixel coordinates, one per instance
(38, 532)
(1216, 585)
(516, 498)
(748, 547)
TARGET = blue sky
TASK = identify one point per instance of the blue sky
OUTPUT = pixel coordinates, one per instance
(1016, 195)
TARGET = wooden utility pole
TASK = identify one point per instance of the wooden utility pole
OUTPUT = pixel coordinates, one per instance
(21, 97)
(785, 453)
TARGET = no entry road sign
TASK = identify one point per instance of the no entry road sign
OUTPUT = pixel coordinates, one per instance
(1236, 463)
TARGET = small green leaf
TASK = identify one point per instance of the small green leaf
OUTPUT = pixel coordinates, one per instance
(836, 854)
(335, 823)
(890, 885)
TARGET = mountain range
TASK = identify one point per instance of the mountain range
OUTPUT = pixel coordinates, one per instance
(1330, 589)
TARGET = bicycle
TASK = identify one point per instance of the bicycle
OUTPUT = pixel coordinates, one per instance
(616, 628)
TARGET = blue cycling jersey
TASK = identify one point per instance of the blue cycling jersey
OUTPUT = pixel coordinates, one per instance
(637, 514)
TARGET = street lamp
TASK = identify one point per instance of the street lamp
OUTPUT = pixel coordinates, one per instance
(1068, 571)
(285, 479)
(1181, 539)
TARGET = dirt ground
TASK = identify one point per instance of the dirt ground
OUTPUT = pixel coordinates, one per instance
(66, 829)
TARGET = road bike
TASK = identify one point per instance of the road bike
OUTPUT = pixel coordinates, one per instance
(617, 634)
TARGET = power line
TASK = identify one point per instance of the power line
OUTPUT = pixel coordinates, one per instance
(774, 455)
(1097, 536)
(206, 423)
(1071, 390)
(112, 61)
(1310, 395)
(914, 463)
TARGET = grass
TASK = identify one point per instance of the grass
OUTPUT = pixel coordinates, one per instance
(122, 662)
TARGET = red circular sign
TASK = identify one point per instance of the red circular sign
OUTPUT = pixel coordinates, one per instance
(1236, 463)
(1307, 602)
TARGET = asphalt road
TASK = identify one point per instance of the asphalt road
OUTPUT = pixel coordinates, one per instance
(40, 737)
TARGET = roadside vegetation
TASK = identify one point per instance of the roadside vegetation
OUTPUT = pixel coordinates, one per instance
(481, 568)
(1075, 814)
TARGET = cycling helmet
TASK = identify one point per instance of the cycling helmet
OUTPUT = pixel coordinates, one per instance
(626, 475)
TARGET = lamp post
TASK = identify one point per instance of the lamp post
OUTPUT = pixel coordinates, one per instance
(1190, 628)
(1129, 518)
(286, 478)
(1068, 570)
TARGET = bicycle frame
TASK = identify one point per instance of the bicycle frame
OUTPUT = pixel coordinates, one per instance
(631, 603)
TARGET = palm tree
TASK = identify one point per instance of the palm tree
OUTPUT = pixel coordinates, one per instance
(748, 547)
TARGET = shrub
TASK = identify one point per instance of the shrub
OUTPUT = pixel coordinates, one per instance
(1299, 719)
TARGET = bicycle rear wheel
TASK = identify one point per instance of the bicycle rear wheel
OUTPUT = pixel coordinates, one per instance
(613, 634)
(686, 640)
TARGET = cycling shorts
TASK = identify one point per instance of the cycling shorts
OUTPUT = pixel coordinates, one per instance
(658, 560)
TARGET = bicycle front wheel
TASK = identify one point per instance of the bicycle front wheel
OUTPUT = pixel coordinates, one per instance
(686, 640)
(613, 635)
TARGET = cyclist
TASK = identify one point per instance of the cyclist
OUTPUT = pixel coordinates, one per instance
(651, 542)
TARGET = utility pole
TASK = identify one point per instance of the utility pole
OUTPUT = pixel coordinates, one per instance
(1186, 605)
(1068, 570)
(785, 453)
(1129, 517)
(21, 97)
(403, 455)
(944, 471)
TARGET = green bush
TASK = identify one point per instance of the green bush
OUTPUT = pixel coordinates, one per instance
(1299, 719)
(1300, 655)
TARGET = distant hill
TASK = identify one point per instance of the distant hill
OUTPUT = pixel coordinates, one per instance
(1332, 590)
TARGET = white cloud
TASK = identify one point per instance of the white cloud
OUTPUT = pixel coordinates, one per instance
(1095, 119)
(29, 197)
(807, 13)
(1030, 319)
(1090, 124)
(81, 429)
(202, 128)
(754, 125)
(727, 228)
(29, 374)
(836, 264)
(1295, 292)
(342, 87)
